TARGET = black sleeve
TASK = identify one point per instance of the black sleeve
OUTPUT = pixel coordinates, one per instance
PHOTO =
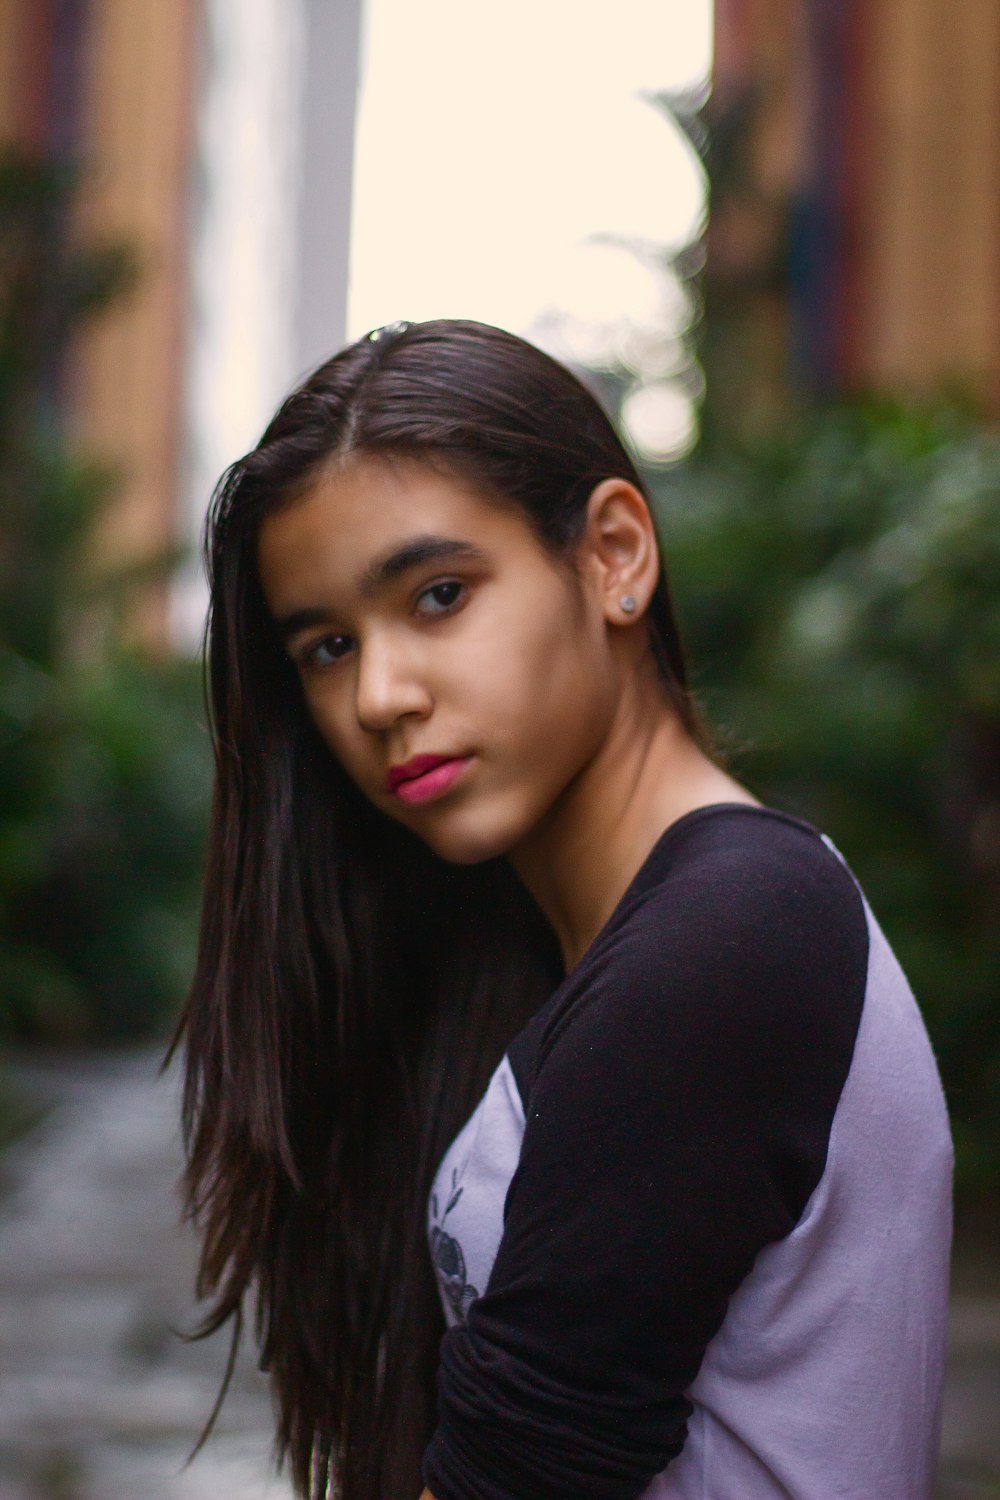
(679, 1114)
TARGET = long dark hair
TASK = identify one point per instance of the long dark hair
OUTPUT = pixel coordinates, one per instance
(353, 991)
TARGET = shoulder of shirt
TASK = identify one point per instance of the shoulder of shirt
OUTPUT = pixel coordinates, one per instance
(732, 860)
(726, 874)
(737, 908)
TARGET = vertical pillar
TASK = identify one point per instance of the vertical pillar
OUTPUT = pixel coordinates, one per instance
(332, 29)
(275, 141)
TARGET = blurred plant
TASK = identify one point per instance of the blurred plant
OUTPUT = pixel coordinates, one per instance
(739, 274)
(102, 762)
(840, 586)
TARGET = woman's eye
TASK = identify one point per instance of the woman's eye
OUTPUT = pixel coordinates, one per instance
(440, 597)
(325, 652)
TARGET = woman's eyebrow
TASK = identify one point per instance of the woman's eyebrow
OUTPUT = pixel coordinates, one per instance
(301, 619)
(414, 553)
(383, 571)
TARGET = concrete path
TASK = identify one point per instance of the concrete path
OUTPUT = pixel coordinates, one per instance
(970, 1458)
(100, 1400)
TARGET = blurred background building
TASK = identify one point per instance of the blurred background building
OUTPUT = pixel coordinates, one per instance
(867, 228)
(859, 249)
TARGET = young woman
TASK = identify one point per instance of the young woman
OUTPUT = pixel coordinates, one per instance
(514, 1013)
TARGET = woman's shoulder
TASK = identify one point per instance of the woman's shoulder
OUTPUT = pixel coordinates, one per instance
(731, 886)
(738, 852)
(743, 924)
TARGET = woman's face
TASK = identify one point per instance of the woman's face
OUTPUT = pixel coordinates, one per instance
(458, 672)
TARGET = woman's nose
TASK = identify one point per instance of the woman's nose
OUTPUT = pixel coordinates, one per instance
(388, 686)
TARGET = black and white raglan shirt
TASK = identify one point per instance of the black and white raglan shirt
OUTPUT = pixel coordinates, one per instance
(693, 1242)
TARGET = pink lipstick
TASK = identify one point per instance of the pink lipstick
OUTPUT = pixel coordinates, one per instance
(425, 776)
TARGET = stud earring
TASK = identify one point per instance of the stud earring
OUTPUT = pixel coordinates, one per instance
(627, 603)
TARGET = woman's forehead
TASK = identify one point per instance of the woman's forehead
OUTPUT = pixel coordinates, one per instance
(357, 524)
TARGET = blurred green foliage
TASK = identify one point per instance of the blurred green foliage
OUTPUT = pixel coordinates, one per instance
(104, 764)
(839, 583)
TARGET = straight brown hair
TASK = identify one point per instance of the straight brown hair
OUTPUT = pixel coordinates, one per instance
(353, 991)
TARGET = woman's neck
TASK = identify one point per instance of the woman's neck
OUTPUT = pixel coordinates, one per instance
(579, 861)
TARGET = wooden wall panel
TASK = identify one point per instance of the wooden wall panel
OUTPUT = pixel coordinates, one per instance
(917, 210)
(24, 37)
(932, 290)
(137, 108)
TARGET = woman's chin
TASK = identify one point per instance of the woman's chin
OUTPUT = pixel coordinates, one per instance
(465, 839)
(457, 849)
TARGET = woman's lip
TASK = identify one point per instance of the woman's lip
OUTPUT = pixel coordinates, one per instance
(431, 783)
(415, 766)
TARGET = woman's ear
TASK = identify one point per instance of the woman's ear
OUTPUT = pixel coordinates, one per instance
(618, 550)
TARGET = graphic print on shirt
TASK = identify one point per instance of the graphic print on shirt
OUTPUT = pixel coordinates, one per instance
(448, 1257)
